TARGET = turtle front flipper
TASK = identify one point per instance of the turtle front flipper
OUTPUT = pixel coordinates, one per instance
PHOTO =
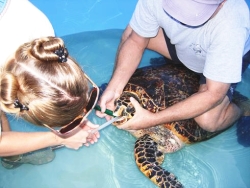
(149, 158)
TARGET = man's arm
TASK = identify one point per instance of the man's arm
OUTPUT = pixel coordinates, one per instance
(128, 58)
(209, 106)
(200, 105)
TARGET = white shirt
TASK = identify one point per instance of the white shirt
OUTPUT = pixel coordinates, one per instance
(20, 22)
(214, 49)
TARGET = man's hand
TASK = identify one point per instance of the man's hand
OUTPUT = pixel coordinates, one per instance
(107, 102)
(142, 118)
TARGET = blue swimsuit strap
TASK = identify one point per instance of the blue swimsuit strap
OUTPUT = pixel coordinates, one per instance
(3, 4)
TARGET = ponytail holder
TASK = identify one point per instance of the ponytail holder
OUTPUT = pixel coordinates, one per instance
(22, 107)
(62, 54)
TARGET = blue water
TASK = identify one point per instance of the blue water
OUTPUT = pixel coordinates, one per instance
(221, 162)
(217, 163)
(73, 16)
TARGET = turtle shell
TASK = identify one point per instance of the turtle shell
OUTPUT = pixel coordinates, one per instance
(157, 88)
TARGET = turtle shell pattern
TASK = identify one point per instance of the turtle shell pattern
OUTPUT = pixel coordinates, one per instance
(156, 88)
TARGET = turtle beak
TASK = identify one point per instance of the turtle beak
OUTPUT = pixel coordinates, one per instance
(120, 121)
(120, 112)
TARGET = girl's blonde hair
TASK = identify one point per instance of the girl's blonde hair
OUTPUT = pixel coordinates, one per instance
(54, 91)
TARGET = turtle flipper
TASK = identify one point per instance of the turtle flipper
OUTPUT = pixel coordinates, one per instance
(149, 158)
(242, 102)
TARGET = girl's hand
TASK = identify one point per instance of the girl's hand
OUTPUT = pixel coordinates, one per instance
(93, 135)
(83, 137)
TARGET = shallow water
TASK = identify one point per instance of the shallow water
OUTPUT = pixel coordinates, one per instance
(221, 162)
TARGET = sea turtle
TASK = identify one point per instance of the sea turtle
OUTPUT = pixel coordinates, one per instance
(156, 88)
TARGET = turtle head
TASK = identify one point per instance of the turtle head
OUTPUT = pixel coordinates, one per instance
(124, 108)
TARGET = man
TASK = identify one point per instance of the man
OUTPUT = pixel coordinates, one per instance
(208, 36)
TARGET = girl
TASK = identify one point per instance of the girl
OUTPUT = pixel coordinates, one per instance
(43, 85)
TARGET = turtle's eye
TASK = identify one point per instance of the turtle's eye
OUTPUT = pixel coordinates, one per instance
(115, 103)
(130, 109)
(118, 102)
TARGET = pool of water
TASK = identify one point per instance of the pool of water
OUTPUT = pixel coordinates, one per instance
(221, 162)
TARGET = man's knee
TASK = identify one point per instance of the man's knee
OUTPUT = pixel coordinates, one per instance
(158, 44)
(219, 119)
(207, 123)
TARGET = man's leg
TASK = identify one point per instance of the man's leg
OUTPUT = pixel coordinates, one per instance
(229, 111)
(220, 117)
(158, 44)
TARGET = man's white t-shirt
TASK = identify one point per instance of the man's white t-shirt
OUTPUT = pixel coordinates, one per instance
(214, 49)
